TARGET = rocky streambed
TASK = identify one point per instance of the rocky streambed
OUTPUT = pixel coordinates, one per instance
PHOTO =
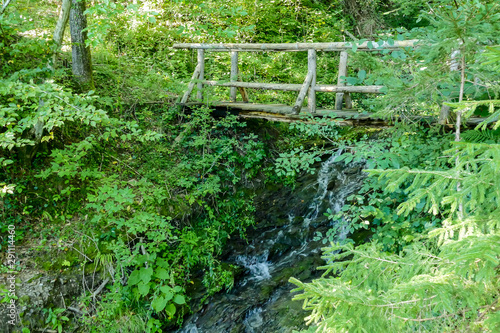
(281, 245)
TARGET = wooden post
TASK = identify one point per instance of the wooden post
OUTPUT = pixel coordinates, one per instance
(302, 94)
(195, 76)
(234, 74)
(342, 72)
(201, 64)
(311, 67)
(348, 100)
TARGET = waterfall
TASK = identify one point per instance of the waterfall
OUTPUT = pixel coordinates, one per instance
(280, 246)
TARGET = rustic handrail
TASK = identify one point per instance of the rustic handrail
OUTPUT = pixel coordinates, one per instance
(309, 84)
(290, 47)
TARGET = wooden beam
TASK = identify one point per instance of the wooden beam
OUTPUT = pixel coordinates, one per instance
(349, 117)
(340, 82)
(195, 76)
(201, 63)
(302, 93)
(311, 65)
(287, 47)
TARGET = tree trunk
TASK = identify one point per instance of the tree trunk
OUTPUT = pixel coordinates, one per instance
(82, 62)
(60, 28)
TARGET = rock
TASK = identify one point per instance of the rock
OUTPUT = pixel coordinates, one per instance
(38, 291)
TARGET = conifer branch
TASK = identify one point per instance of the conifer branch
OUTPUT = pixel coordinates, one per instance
(425, 319)
(396, 305)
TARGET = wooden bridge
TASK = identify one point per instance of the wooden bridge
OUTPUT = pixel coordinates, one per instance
(307, 89)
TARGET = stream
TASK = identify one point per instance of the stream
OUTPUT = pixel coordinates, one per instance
(279, 246)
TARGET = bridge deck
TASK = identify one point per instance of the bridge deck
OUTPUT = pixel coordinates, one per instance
(281, 112)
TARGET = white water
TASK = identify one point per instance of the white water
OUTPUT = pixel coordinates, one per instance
(257, 266)
(253, 320)
(274, 248)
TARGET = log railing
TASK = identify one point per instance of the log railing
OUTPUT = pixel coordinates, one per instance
(309, 87)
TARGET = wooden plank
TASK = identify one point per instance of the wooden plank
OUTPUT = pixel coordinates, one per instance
(283, 109)
(349, 117)
(340, 82)
(294, 119)
(195, 76)
(287, 47)
(201, 63)
(302, 93)
(234, 74)
(311, 65)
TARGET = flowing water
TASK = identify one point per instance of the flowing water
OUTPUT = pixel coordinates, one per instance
(281, 245)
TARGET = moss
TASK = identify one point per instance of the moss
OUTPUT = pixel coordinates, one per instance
(285, 275)
(24, 300)
(266, 290)
(57, 260)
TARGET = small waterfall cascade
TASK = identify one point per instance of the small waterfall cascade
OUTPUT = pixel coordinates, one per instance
(278, 247)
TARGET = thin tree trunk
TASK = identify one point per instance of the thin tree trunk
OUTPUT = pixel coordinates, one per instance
(460, 98)
(82, 62)
(4, 7)
(61, 27)
(445, 109)
(457, 129)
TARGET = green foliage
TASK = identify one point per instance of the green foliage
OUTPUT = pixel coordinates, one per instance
(419, 80)
(426, 287)
(150, 195)
(440, 279)
(377, 291)
(19, 51)
(486, 136)
(56, 319)
(132, 215)
(372, 207)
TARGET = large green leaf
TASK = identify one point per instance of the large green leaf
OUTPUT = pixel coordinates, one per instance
(159, 303)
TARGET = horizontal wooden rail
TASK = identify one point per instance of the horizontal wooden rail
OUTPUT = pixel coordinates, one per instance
(289, 47)
(297, 87)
